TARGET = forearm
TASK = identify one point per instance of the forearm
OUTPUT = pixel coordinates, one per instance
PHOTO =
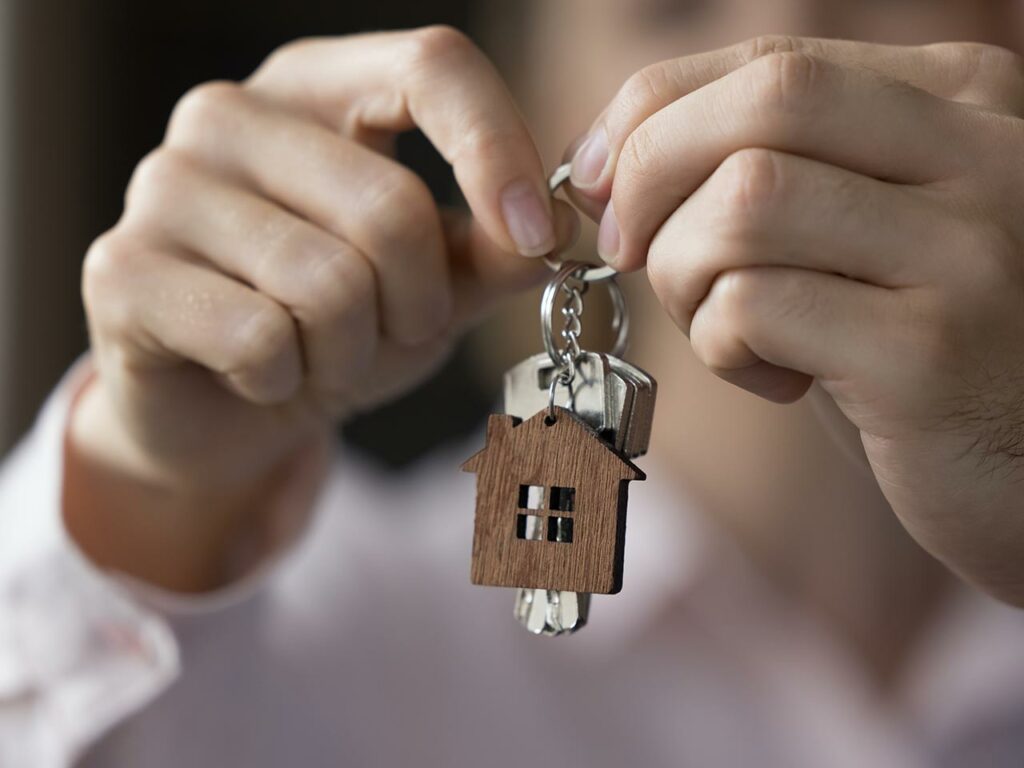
(185, 539)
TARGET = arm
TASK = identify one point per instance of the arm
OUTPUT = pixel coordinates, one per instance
(77, 654)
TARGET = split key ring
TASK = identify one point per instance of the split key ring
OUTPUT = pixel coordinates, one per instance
(590, 274)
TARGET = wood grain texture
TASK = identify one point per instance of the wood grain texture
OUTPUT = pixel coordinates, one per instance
(564, 453)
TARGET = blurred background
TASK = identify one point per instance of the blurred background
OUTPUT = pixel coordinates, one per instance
(85, 91)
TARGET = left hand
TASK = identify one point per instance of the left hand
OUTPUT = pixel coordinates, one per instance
(852, 214)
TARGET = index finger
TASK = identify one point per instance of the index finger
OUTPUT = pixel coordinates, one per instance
(435, 79)
(971, 73)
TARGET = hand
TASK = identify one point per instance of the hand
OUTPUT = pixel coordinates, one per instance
(850, 213)
(276, 269)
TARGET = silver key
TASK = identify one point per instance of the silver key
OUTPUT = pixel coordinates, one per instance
(617, 400)
(637, 435)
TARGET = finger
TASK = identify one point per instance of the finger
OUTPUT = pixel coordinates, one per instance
(482, 273)
(323, 281)
(437, 80)
(771, 330)
(391, 216)
(970, 73)
(364, 198)
(792, 103)
(767, 208)
(171, 310)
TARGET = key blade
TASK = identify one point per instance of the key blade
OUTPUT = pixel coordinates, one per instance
(551, 612)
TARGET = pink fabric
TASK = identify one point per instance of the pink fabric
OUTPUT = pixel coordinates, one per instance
(365, 644)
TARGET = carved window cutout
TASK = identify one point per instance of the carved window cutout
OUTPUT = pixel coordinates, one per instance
(563, 499)
(531, 497)
(530, 527)
(560, 529)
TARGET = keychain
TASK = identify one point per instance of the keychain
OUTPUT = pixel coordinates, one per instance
(553, 475)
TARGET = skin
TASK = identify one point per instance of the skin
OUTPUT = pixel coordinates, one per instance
(817, 523)
(802, 210)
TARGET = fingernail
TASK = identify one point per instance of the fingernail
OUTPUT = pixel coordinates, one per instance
(527, 218)
(608, 236)
(590, 159)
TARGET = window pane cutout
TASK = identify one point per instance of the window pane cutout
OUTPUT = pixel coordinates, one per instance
(531, 497)
(563, 499)
(560, 529)
(530, 527)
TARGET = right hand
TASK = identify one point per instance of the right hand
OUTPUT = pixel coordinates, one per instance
(276, 269)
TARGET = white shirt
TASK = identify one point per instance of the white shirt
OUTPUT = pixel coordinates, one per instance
(365, 645)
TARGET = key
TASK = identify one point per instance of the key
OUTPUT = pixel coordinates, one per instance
(641, 419)
(613, 397)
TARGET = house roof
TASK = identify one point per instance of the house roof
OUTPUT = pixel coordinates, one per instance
(590, 453)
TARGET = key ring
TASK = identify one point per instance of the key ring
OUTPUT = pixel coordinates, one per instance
(591, 274)
(620, 318)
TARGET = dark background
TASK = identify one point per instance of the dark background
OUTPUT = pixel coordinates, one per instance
(95, 82)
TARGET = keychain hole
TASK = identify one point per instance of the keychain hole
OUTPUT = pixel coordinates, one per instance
(550, 420)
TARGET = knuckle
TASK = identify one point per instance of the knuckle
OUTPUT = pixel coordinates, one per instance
(481, 142)
(989, 70)
(283, 56)
(341, 285)
(104, 261)
(203, 106)
(1003, 70)
(766, 45)
(749, 180)
(104, 269)
(979, 59)
(439, 42)
(261, 340)
(154, 178)
(784, 81)
(400, 211)
(735, 293)
(650, 84)
(751, 296)
(729, 305)
(280, 237)
(642, 155)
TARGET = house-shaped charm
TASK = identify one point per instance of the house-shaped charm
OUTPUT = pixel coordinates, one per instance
(550, 505)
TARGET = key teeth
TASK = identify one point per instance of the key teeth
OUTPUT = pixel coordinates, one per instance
(551, 612)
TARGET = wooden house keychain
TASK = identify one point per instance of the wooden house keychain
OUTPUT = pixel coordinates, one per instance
(552, 478)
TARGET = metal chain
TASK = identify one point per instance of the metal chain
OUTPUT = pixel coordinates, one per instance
(572, 313)
(571, 284)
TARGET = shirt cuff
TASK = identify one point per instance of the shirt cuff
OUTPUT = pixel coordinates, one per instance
(76, 656)
(82, 647)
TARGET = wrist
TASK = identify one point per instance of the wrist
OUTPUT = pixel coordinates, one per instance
(127, 516)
